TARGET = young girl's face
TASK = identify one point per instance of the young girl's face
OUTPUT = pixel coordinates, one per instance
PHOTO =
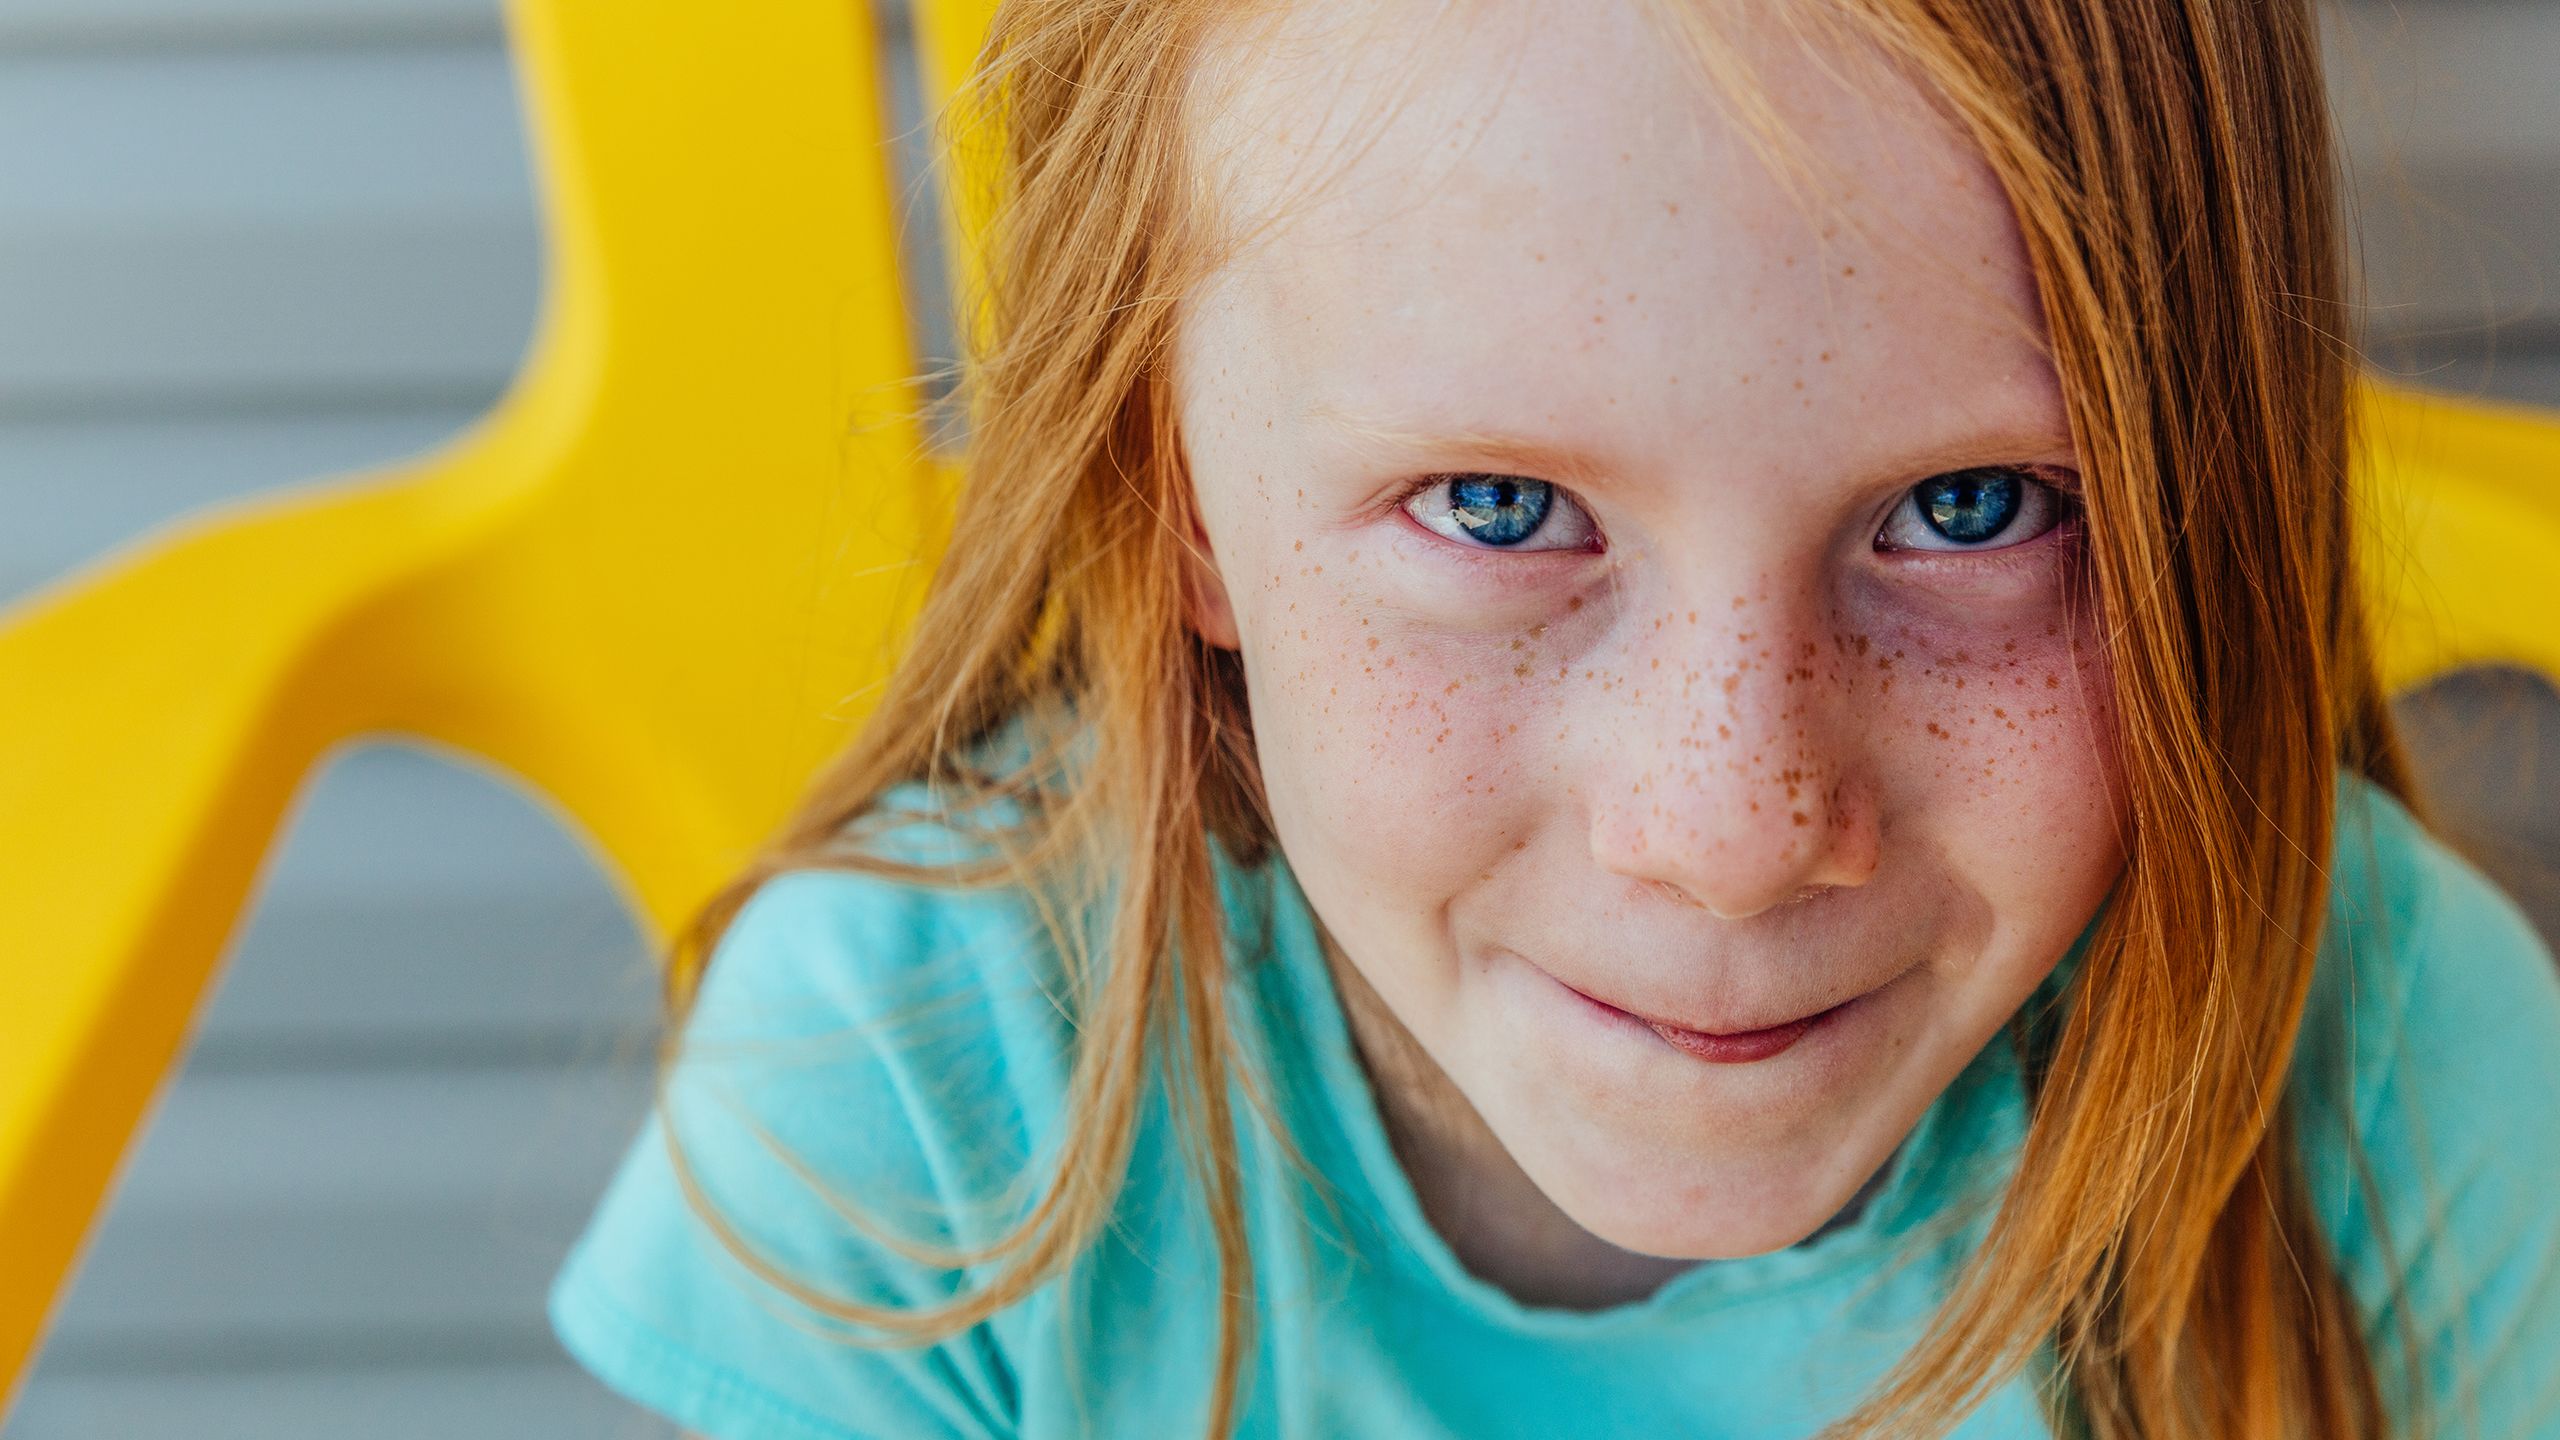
(1655, 591)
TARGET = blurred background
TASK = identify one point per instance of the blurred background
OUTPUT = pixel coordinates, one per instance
(244, 242)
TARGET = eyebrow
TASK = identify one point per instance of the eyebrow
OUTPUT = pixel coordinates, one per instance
(1511, 453)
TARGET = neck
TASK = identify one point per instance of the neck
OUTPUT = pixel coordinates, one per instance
(1494, 1218)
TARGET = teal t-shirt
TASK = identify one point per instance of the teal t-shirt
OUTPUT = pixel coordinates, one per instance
(900, 1051)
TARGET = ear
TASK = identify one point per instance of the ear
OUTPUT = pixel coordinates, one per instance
(1205, 594)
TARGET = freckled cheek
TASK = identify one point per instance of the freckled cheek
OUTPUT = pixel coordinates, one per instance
(1393, 742)
(1387, 711)
(1320, 666)
(2014, 745)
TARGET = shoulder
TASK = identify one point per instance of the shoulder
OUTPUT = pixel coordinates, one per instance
(871, 1068)
(2436, 974)
(907, 1028)
(2427, 1079)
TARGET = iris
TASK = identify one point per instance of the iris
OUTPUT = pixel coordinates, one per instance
(1500, 510)
(1969, 506)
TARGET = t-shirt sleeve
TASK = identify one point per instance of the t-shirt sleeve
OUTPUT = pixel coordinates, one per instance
(2458, 1109)
(846, 1063)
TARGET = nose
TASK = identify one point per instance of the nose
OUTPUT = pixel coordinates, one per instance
(1740, 789)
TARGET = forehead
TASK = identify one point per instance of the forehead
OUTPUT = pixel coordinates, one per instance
(1515, 208)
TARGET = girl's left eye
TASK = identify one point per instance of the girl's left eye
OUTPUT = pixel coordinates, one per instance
(1501, 512)
(1990, 507)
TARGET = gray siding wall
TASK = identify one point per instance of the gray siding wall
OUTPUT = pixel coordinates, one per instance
(244, 242)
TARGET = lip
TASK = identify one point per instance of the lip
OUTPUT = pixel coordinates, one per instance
(1729, 1047)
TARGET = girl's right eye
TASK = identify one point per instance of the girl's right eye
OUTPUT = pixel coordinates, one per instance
(1501, 512)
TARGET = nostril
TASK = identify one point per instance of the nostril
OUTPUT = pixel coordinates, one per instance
(1680, 896)
(1673, 893)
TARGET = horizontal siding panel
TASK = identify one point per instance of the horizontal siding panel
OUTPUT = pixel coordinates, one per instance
(425, 910)
(2424, 83)
(2449, 112)
(396, 823)
(249, 316)
(251, 230)
(505, 978)
(365, 1215)
(51, 25)
(2450, 252)
(223, 1290)
(400, 1142)
(74, 490)
(554, 1401)
(94, 141)
(2516, 372)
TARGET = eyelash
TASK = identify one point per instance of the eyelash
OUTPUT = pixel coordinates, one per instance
(2061, 486)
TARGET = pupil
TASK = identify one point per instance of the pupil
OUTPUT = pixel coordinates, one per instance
(1499, 511)
(1970, 505)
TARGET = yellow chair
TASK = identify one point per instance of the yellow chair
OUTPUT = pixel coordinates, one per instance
(658, 582)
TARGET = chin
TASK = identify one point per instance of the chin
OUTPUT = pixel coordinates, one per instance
(1721, 1218)
(1697, 1237)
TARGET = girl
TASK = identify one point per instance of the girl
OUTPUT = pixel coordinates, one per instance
(1646, 719)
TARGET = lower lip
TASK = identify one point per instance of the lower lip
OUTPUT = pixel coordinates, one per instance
(1740, 1047)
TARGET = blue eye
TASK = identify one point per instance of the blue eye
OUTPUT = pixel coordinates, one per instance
(1499, 512)
(1969, 506)
(1970, 510)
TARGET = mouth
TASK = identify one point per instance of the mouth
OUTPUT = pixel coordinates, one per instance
(1726, 1047)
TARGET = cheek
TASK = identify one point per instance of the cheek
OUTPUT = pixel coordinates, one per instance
(2006, 763)
(1390, 749)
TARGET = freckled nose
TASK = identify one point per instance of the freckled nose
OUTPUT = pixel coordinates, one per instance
(1743, 797)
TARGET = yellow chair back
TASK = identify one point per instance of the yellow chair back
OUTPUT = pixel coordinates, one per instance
(659, 581)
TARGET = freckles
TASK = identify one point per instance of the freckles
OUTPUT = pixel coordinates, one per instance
(1418, 715)
(1998, 722)
(1524, 656)
(1785, 776)
(1322, 660)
